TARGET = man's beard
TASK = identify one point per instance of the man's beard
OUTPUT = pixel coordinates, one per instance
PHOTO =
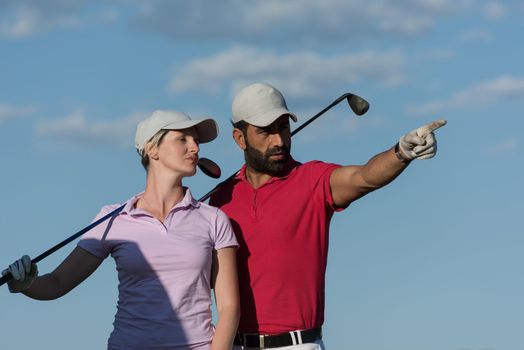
(262, 163)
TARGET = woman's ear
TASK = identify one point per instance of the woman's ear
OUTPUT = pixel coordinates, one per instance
(239, 138)
(152, 152)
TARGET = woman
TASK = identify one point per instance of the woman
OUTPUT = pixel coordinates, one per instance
(168, 248)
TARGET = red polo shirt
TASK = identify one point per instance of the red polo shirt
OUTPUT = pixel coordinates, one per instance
(283, 229)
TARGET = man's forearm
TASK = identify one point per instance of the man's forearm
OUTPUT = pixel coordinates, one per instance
(383, 168)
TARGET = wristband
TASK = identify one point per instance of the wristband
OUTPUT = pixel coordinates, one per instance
(400, 156)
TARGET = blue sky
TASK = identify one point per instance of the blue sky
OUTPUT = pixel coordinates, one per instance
(433, 261)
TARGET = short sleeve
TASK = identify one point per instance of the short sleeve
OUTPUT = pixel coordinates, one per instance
(94, 240)
(224, 235)
(321, 173)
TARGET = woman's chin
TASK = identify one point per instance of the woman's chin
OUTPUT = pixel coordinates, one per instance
(190, 172)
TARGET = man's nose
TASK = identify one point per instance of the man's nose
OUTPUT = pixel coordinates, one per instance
(277, 140)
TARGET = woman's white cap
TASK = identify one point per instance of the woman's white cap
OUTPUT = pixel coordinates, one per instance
(259, 105)
(207, 128)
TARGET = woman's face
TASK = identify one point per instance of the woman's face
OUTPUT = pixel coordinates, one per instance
(178, 151)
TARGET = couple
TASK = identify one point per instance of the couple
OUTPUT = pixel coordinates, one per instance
(171, 250)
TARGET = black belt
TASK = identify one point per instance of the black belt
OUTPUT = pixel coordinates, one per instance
(253, 340)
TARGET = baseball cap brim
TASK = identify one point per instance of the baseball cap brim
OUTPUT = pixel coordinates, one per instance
(207, 128)
(268, 117)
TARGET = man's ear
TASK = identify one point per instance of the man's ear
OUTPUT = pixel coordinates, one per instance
(239, 138)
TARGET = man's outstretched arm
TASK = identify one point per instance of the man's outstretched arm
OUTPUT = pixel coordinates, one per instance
(349, 183)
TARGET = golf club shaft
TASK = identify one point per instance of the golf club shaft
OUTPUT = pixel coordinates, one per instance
(294, 132)
(50, 251)
(313, 118)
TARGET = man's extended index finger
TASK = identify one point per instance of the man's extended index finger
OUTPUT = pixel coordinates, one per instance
(426, 129)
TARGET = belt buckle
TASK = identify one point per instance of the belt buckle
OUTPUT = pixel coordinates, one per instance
(260, 339)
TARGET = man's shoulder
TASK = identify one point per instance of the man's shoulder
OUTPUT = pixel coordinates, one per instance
(315, 163)
(315, 166)
(222, 194)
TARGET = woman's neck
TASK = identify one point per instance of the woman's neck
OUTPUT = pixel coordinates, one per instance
(161, 195)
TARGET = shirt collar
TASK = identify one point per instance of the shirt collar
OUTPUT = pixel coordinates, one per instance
(290, 168)
(187, 201)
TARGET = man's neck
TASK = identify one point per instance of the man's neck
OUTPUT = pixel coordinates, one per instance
(256, 179)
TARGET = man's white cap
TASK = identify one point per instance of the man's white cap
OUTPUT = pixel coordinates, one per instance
(259, 105)
(207, 128)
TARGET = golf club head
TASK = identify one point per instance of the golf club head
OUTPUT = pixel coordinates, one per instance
(209, 168)
(358, 104)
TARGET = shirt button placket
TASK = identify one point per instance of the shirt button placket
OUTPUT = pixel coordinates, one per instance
(254, 206)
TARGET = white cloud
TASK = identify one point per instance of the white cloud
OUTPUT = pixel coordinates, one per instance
(110, 15)
(302, 75)
(269, 21)
(77, 130)
(487, 93)
(440, 55)
(24, 18)
(475, 35)
(297, 21)
(8, 112)
(510, 145)
(495, 11)
(23, 23)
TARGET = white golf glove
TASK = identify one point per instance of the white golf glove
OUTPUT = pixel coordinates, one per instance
(420, 143)
(24, 273)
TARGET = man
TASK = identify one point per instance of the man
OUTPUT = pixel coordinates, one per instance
(280, 210)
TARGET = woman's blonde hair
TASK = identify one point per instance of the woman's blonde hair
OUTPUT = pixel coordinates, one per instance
(152, 143)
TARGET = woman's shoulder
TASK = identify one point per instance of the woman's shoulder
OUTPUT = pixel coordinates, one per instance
(207, 207)
(212, 211)
(106, 209)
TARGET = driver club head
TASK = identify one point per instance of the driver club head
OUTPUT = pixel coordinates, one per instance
(358, 104)
(209, 168)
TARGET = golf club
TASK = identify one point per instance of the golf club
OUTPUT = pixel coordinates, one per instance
(358, 105)
(207, 166)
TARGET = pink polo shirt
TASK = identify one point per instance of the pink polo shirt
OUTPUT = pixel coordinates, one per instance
(283, 231)
(164, 272)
